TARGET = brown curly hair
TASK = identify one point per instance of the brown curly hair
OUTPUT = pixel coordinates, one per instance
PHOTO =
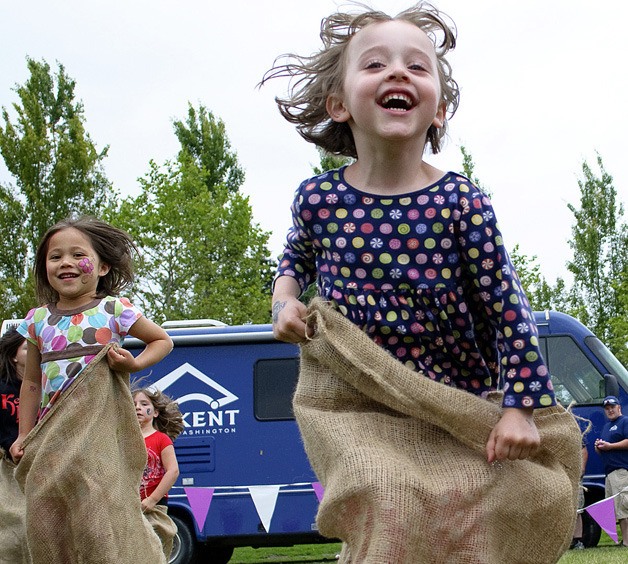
(169, 420)
(315, 78)
(112, 245)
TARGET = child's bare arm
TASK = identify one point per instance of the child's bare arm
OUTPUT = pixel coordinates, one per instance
(288, 312)
(515, 436)
(30, 399)
(158, 345)
(170, 464)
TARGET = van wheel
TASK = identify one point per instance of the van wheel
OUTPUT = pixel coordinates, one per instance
(214, 554)
(591, 531)
(183, 543)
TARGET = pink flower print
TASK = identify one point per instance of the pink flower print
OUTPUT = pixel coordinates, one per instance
(86, 265)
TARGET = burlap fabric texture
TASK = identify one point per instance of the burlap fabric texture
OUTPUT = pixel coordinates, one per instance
(81, 473)
(402, 460)
(163, 526)
(12, 508)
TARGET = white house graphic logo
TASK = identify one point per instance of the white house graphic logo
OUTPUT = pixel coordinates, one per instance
(201, 400)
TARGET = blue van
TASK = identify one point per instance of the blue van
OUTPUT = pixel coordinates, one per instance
(244, 477)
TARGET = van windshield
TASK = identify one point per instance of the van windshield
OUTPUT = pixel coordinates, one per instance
(574, 375)
(608, 359)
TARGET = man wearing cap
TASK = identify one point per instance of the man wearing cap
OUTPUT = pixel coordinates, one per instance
(612, 446)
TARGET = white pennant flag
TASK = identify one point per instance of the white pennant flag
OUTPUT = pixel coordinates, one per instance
(265, 499)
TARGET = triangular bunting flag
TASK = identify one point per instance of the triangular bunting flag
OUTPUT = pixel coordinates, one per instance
(318, 490)
(200, 500)
(603, 512)
(265, 499)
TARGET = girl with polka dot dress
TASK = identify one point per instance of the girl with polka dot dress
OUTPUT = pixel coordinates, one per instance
(81, 265)
(411, 254)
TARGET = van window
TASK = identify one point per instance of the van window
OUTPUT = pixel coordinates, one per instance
(274, 382)
(574, 376)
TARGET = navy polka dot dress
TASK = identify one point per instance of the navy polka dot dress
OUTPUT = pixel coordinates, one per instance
(426, 275)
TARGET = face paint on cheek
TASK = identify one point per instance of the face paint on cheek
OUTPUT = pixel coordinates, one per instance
(148, 411)
(87, 266)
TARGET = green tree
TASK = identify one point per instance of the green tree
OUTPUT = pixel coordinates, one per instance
(56, 170)
(600, 256)
(203, 256)
(468, 169)
(327, 161)
(204, 141)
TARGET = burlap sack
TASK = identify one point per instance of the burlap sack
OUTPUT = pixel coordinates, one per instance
(402, 460)
(81, 473)
(163, 526)
(13, 548)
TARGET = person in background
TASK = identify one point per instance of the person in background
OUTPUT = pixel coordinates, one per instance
(612, 446)
(161, 423)
(12, 362)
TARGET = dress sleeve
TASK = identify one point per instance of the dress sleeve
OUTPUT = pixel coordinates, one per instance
(298, 257)
(27, 327)
(125, 313)
(499, 299)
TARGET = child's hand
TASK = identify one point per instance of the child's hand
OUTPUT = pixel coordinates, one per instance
(288, 320)
(121, 360)
(17, 450)
(148, 504)
(515, 436)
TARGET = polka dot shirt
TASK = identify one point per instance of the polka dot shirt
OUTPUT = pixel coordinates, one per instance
(69, 340)
(427, 276)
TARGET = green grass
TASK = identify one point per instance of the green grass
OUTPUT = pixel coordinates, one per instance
(605, 553)
(310, 553)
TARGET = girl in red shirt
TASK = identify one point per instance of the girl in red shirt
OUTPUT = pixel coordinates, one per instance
(161, 422)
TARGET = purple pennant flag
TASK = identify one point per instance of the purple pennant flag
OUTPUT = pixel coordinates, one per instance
(200, 500)
(603, 512)
(318, 490)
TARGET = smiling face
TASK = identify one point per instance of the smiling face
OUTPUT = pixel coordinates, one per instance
(73, 268)
(391, 89)
(612, 411)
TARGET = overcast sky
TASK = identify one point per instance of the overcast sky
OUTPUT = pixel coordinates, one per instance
(543, 87)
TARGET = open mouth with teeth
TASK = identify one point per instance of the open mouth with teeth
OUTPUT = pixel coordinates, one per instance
(398, 102)
(67, 275)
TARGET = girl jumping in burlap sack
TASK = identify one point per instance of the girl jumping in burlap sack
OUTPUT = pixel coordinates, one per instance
(81, 265)
(411, 254)
(161, 423)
